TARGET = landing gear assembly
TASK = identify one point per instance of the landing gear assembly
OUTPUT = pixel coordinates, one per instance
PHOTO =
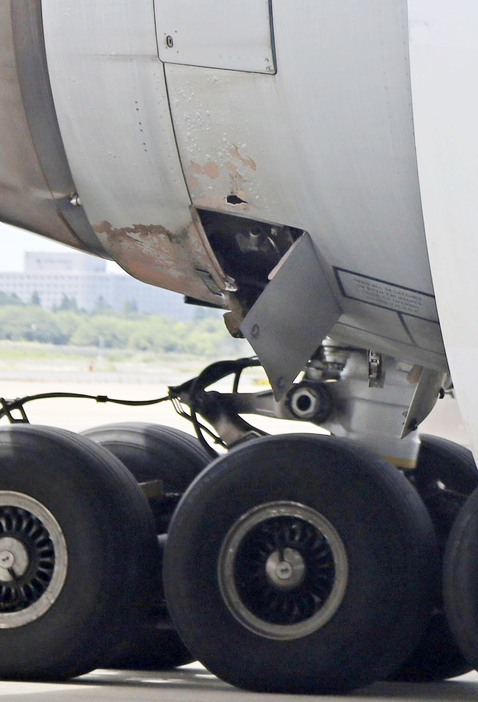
(292, 563)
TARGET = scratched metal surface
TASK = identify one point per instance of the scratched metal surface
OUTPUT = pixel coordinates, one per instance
(112, 105)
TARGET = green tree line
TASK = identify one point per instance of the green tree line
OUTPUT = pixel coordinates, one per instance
(204, 335)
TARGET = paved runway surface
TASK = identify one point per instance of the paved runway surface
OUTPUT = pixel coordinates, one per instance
(195, 684)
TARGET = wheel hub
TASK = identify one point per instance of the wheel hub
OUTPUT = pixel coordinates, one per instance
(7, 559)
(285, 569)
(33, 559)
(282, 570)
(13, 558)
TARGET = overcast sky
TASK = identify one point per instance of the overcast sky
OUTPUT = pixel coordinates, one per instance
(14, 242)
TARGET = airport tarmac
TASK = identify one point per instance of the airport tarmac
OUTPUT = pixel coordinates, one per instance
(193, 683)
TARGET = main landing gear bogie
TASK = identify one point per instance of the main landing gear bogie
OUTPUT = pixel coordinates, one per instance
(290, 563)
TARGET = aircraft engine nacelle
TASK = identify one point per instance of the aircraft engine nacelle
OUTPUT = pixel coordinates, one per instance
(290, 162)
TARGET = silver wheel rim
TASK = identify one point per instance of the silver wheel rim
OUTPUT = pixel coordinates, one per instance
(33, 559)
(283, 570)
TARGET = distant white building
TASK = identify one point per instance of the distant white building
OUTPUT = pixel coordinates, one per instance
(84, 278)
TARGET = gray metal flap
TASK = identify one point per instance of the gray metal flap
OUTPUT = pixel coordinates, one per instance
(292, 316)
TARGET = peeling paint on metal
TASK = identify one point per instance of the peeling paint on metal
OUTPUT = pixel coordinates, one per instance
(195, 169)
(231, 181)
(234, 170)
(144, 245)
(180, 261)
(210, 169)
(247, 161)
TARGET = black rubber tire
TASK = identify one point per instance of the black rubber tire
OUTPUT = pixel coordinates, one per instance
(454, 466)
(389, 542)
(437, 656)
(152, 649)
(109, 540)
(460, 587)
(152, 452)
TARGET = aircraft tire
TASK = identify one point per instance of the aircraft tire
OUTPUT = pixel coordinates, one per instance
(152, 452)
(300, 563)
(461, 579)
(152, 649)
(452, 465)
(438, 656)
(75, 535)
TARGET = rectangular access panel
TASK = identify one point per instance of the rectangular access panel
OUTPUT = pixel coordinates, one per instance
(233, 35)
